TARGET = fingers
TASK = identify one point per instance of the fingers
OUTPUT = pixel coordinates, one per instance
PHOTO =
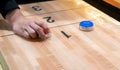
(41, 33)
(43, 25)
(35, 31)
(39, 30)
(22, 32)
(26, 34)
(31, 32)
(31, 29)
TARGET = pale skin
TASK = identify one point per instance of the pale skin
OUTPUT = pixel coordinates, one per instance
(26, 27)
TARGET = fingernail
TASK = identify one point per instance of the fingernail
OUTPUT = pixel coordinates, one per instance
(48, 35)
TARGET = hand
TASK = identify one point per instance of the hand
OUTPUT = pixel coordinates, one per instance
(28, 28)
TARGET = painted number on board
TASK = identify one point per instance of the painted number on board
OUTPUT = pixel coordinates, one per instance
(49, 19)
(36, 8)
(66, 35)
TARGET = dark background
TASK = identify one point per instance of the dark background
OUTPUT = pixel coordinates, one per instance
(106, 8)
(29, 1)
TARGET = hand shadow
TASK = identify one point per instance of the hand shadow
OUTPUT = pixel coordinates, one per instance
(4, 25)
(32, 40)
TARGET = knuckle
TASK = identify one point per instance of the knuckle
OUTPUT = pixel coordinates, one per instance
(26, 36)
(37, 29)
(32, 32)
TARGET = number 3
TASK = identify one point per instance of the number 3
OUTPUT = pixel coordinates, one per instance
(36, 8)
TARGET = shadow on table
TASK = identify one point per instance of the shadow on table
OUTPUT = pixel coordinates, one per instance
(4, 25)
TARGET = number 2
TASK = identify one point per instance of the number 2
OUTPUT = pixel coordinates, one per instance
(49, 20)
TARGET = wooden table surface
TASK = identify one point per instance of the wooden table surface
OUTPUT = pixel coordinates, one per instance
(95, 50)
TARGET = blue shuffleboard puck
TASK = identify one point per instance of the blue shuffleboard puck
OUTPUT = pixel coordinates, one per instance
(86, 25)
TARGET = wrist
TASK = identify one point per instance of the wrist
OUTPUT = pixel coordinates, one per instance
(13, 15)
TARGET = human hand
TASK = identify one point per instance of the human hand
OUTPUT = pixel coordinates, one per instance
(26, 27)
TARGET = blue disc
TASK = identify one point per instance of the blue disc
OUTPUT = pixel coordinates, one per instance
(86, 24)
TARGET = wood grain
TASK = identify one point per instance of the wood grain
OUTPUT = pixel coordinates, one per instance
(56, 14)
(50, 7)
(95, 50)
(91, 49)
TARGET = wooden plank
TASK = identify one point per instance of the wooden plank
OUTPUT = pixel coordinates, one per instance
(50, 6)
(91, 13)
(84, 12)
(59, 19)
(83, 50)
(94, 50)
